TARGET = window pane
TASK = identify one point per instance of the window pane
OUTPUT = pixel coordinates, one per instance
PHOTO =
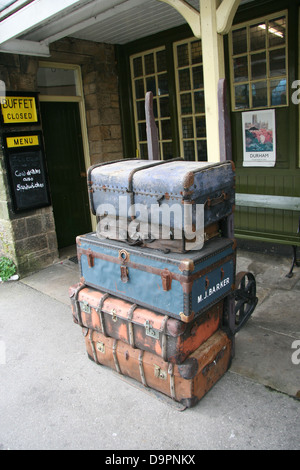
(140, 106)
(189, 150)
(202, 150)
(186, 103)
(196, 52)
(149, 64)
(144, 151)
(198, 77)
(277, 63)
(239, 41)
(258, 37)
(277, 32)
(139, 89)
(199, 102)
(166, 129)
(240, 69)
(137, 67)
(187, 128)
(56, 81)
(201, 126)
(258, 66)
(278, 92)
(164, 107)
(167, 150)
(241, 93)
(163, 88)
(151, 85)
(183, 55)
(142, 131)
(184, 80)
(161, 61)
(259, 94)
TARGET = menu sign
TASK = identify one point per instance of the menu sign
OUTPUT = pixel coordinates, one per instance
(26, 171)
(19, 108)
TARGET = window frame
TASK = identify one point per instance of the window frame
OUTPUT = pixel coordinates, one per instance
(194, 115)
(268, 79)
(158, 119)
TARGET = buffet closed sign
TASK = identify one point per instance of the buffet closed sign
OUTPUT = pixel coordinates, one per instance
(18, 109)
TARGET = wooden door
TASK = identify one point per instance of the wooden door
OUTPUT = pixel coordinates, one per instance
(66, 169)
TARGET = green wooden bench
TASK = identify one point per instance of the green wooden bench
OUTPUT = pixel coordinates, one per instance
(272, 202)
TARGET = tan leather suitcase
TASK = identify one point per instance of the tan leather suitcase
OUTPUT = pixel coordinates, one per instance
(145, 329)
(185, 383)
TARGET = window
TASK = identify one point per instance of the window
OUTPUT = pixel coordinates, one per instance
(190, 99)
(57, 81)
(149, 73)
(258, 52)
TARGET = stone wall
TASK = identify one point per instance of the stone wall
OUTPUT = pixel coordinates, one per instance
(100, 86)
(30, 238)
(27, 238)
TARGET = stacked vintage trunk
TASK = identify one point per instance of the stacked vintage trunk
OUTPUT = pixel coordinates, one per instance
(152, 308)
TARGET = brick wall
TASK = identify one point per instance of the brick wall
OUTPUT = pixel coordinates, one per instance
(30, 238)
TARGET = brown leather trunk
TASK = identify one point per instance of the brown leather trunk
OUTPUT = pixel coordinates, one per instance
(185, 383)
(166, 337)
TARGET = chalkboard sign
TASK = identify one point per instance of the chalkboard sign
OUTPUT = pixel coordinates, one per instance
(26, 170)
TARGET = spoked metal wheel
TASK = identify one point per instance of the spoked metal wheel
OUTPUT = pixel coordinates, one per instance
(245, 298)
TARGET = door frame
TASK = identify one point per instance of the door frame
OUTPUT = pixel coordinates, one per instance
(75, 99)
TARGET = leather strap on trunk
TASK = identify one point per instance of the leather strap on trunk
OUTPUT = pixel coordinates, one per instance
(130, 325)
(77, 303)
(132, 173)
(100, 313)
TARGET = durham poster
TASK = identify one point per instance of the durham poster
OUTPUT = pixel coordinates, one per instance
(259, 138)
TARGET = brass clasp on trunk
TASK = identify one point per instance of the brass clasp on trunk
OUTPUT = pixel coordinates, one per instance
(100, 347)
(160, 374)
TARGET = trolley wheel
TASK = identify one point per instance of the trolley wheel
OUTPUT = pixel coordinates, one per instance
(245, 298)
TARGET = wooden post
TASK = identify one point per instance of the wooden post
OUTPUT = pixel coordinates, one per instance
(151, 129)
(213, 70)
(215, 19)
(224, 123)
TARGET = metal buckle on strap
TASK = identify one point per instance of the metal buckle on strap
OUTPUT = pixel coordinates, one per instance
(85, 306)
(150, 331)
(159, 373)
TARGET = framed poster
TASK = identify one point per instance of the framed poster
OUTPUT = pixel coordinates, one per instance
(26, 169)
(19, 109)
(259, 138)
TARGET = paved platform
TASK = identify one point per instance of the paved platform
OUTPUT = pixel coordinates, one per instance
(53, 397)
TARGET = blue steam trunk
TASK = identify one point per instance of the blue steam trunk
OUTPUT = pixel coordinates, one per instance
(163, 184)
(176, 284)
